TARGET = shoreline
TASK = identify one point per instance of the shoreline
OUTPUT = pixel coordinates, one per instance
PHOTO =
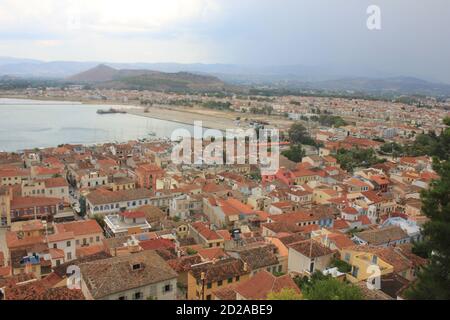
(211, 119)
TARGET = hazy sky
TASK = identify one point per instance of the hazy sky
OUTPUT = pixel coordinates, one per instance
(414, 39)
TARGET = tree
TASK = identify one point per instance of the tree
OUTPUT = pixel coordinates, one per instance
(299, 135)
(341, 265)
(295, 153)
(356, 157)
(100, 220)
(82, 202)
(321, 287)
(332, 289)
(433, 280)
(285, 294)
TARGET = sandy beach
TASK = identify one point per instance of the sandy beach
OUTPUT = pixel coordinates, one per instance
(212, 119)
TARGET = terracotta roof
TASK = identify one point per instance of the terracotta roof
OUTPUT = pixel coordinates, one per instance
(226, 293)
(220, 270)
(56, 253)
(311, 248)
(225, 234)
(341, 241)
(154, 244)
(210, 254)
(90, 250)
(80, 228)
(259, 257)
(183, 264)
(382, 235)
(340, 224)
(205, 231)
(37, 290)
(55, 182)
(13, 241)
(133, 214)
(31, 202)
(263, 283)
(60, 236)
(278, 227)
(294, 217)
(108, 276)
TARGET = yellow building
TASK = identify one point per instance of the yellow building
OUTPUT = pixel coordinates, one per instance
(363, 263)
(5, 206)
(204, 278)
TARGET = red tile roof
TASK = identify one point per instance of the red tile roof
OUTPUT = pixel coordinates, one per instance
(79, 228)
(133, 214)
(155, 244)
(205, 231)
(263, 283)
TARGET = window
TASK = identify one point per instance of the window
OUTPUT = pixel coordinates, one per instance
(97, 238)
(55, 246)
(209, 285)
(122, 298)
(237, 278)
(167, 288)
(374, 259)
(69, 255)
(311, 266)
(68, 243)
(219, 283)
(137, 296)
(355, 271)
(137, 266)
(230, 280)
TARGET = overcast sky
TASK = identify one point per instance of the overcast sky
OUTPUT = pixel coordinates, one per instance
(413, 40)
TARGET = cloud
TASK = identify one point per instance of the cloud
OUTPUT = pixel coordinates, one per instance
(308, 32)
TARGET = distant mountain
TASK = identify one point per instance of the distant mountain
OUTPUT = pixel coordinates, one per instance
(394, 85)
(104, 76)
(100, 73)
(176, 75)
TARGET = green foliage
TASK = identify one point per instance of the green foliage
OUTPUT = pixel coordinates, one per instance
(434, 280)
(299, 135)
(294, 153)
(264, 110)
(218, 105)
(329, 120)
(191, 251)
(255, 175)
(82, 202)
(100, 220)
(285, 294)
(342, 266)
(392, 148)
(356, 157)
(321, 287)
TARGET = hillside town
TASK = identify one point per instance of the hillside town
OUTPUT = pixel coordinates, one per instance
(122, 221)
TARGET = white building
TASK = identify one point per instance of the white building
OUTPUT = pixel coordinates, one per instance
(125, 223)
